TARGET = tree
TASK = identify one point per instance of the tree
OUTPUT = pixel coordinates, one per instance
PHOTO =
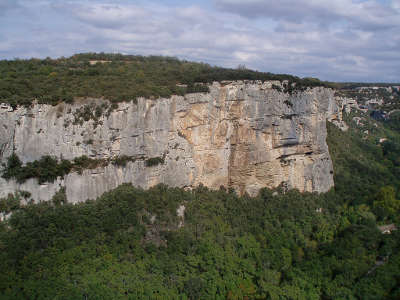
(12, 167)
(386, 205)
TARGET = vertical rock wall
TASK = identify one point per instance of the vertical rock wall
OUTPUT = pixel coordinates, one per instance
(244, 135)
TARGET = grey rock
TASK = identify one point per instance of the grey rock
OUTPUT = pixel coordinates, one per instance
(245, 135)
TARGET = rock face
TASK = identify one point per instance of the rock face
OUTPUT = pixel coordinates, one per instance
(243, 135)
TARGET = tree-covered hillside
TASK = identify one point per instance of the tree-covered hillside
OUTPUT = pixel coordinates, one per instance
(116, 77)
(131, 244)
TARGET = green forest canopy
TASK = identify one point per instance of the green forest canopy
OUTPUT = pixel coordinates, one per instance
(116, 77)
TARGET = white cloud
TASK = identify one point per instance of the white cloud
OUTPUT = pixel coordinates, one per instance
(335, 40)
(365, 13)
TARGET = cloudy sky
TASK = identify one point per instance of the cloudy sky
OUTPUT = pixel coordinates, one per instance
(339, 40)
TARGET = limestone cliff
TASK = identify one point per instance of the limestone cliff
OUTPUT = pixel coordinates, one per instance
(244, 135)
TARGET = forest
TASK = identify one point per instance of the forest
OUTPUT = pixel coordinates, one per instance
(117, 78)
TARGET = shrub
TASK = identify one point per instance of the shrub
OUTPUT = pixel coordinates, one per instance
(47, 169)
(154, 161)
(124, 78)
(10, 203)
(122, 160)
(60, 197)
(83, 162)
(12, 168)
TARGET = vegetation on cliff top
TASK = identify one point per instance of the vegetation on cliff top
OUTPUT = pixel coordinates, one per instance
(116, 77)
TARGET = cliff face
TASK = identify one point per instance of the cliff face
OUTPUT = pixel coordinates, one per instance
(241, 135)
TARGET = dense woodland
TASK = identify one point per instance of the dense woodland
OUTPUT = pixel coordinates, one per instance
(131, 243)
(117, 78)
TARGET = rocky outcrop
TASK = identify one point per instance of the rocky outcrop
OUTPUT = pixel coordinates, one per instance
(343, 105)
(243, 135)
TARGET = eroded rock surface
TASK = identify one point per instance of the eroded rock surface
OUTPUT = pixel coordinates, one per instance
(244, 135)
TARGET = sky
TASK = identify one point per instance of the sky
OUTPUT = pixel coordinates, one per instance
(335, 40)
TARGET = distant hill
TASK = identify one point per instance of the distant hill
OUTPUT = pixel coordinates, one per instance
(353, 85)
(117, 77)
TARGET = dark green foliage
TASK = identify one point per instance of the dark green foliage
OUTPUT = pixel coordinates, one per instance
(394, 121)
(288, 103)
(154, 161)
(60, 197)
(386, 206)
(383, 282)
(13, 167)
(122, 160)
(197, 88)
(276, 87)
(24, 194)
(47, 169)
(229, 248)
(362, 165)
(89, 112)
(194, 288)
(88, 142)
(116, 77)
(10, 203)
(83, 162)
